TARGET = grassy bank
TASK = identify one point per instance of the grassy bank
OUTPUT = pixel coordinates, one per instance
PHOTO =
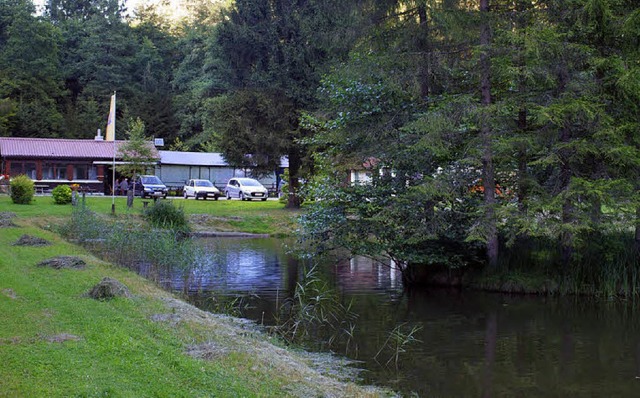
(56, 343)
(268, 217)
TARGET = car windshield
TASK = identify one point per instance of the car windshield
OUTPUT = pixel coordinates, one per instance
(203, 183)
(249, 183)
(151, 180)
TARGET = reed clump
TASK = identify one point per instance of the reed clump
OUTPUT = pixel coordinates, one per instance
(130, 243)
(315, 313)
(603, 264)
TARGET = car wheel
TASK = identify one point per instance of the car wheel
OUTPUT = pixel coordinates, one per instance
(185, 195)
(164, 196)
(228, 196)
(241, 196)
(264, 199)
(215, 197)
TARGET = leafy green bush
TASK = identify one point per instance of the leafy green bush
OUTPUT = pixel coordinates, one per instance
(22, 190)
(61, 194)
(163, 214)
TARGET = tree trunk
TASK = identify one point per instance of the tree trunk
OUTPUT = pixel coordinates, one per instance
(523, 174)
(637, 239)
(293, 201)
(488, 172)
(130, 198)
(566, 238)
(424, 47)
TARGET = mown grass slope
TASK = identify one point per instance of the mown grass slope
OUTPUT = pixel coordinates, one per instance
(55, 342)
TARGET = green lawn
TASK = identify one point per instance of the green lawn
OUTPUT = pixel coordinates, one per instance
(116, 350)
(56, 343)
(269, 217)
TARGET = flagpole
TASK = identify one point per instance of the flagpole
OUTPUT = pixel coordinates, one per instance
(113, 180)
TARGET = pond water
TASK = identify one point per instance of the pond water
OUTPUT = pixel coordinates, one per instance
(464, 344)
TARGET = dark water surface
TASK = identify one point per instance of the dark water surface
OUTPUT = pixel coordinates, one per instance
(467, 344)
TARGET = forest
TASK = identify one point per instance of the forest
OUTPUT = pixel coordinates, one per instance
(499, 137)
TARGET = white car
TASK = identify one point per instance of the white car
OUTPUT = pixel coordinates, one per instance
(245, 189)
(201, 189)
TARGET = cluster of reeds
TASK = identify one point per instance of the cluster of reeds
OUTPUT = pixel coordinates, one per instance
(130, 243)
(602, 265)
(315, 313)
(85, 226)
(397, 342)
(609, 266)
(164, 214)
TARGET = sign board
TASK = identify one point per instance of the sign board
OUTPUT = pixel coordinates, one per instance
(158, 141)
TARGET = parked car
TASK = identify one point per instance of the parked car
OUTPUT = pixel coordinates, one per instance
(245, 189)
(201, 189)
(149, 185)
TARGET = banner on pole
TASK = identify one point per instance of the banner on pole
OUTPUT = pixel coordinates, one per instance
(111, 122)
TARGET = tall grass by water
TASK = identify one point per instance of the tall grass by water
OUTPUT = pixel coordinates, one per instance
(315, 313)
(130, 242)
(606, 265)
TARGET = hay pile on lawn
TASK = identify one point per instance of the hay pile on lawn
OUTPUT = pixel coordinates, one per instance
(28, 240)
(6, 219)
(63, 262)
(107, 289)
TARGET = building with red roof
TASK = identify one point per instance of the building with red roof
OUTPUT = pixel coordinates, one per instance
(51, 161)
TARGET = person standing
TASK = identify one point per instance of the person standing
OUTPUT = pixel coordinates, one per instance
(124, 186)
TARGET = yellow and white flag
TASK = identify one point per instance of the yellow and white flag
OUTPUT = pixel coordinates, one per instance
(111, 122)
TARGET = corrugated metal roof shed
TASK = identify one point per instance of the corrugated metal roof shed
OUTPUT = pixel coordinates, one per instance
(14, 147)
(192, 158)
(200, 159)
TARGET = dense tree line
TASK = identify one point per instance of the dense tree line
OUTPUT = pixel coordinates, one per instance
(497, 133)
(505, 134)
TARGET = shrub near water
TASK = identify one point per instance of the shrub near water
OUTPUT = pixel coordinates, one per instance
(22, 190)
(129, 243)
(163, 214)
(61, 194)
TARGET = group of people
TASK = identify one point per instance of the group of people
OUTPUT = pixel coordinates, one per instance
(122, 186)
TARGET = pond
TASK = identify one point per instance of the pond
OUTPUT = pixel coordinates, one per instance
(432, 343)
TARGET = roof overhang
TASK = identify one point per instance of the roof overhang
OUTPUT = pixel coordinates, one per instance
(118, 162)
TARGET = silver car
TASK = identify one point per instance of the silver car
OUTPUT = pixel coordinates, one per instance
(245, 189)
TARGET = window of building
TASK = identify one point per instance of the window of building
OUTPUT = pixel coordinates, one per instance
(47, 171)
(60, 172)
(80, 172)
(16, 169)
(30, 170)
(27, 168)
(54, 171)
(85, 172)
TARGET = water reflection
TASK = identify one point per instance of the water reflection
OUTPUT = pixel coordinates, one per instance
(470, 344)
(364, 274)
(235, 265)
